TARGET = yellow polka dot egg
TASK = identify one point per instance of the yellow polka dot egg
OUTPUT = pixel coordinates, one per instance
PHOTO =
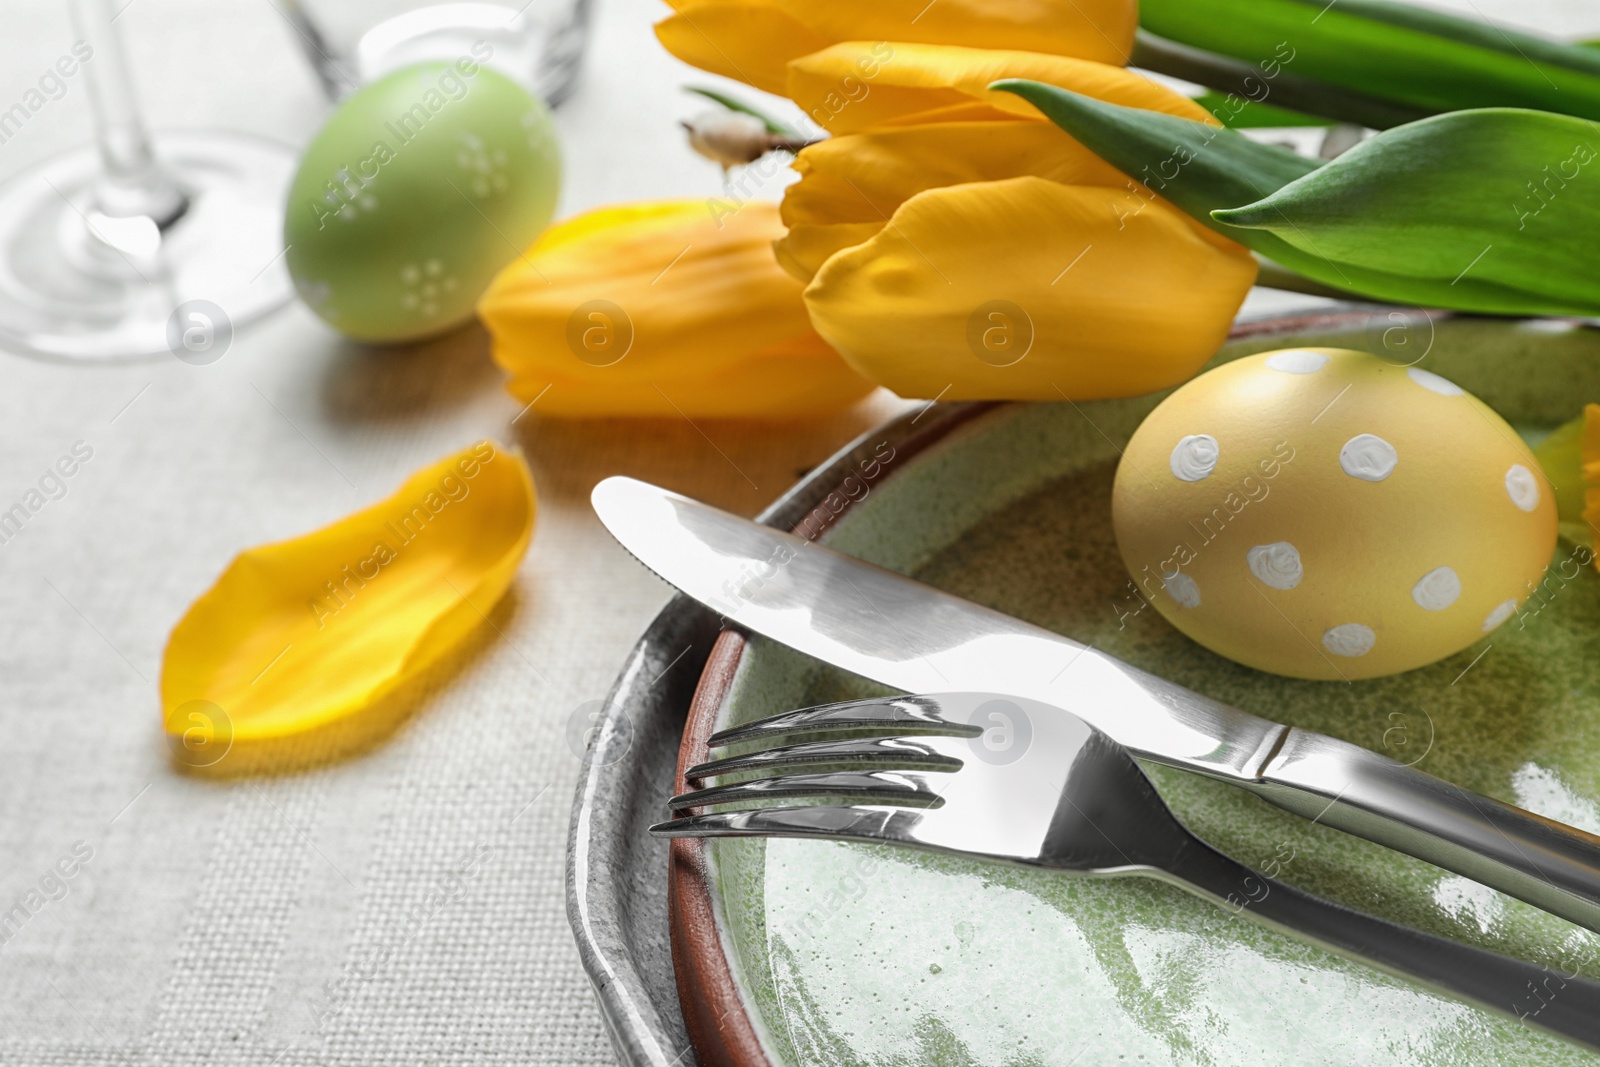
(1323, 513)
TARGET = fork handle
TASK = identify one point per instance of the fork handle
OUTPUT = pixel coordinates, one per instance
(1546, 863)
(1540, 996)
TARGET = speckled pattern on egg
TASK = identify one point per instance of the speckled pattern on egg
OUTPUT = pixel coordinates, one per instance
(1323, 513)
(413, 195)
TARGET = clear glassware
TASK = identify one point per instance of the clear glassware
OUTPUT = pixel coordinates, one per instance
(537, 43)
(138, 245)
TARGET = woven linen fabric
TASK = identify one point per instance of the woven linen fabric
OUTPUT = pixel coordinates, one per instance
(287, 920)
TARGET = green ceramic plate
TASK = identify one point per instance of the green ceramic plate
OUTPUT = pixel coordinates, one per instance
(849, 954)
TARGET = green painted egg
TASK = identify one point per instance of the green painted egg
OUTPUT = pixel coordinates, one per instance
(419, 188)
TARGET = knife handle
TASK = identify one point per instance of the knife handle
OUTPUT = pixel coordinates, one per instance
(1546, 863)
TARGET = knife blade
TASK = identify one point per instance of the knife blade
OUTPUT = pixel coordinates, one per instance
(902, 633)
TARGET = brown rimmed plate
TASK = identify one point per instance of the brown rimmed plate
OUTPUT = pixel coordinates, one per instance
(789, 952)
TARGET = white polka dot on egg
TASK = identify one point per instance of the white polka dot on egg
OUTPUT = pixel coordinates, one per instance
(1194, 457)
(1368, 457)
(1276, 565)
(1183, 589)
(1433, 383)
(1437, 589)
(1522, 487)
(1500, 614)
(1349, 639)
(1297, 361)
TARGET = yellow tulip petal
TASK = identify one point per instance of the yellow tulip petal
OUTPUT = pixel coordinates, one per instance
(306, 638)
(808, 245)
(966, 110)
(690, 280)
(798, 379)
(1028, 289)
(855, 85)
(1100, 30)
(611, 306)
(750, 42)
(864, 176)
(850, 185)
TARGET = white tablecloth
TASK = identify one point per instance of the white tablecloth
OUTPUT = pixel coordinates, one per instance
(282, 920)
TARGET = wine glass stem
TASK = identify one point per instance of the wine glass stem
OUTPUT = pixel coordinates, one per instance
(133, 182)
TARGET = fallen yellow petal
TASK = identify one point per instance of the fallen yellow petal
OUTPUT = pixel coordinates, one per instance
(673, 308)
(1029, 289)
(855, 85)
(306, 637)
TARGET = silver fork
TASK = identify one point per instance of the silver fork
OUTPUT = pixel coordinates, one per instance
(1025, 782)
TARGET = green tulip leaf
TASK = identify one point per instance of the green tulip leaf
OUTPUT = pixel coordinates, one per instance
(1504, 199)
(1198, 167)
(1381, 48)
(1445, 182)
(1249, 86)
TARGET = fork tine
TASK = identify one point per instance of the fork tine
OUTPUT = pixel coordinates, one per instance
(901, 715)
(824, 821)
(866, 786)
(901, 751)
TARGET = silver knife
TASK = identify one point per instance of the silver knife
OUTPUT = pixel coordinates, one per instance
(910, 636)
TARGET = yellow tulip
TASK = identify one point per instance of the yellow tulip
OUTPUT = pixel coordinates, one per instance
(674, 308)
(291, 655)
(855, 85)
(851, 185)
(1026, 288)
(956, 244)
(746, 40)
(753, 40)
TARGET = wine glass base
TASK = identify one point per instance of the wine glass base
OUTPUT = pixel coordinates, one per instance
(78, 285)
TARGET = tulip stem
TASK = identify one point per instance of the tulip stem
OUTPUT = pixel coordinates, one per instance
(733, 103)
(1229, 75)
